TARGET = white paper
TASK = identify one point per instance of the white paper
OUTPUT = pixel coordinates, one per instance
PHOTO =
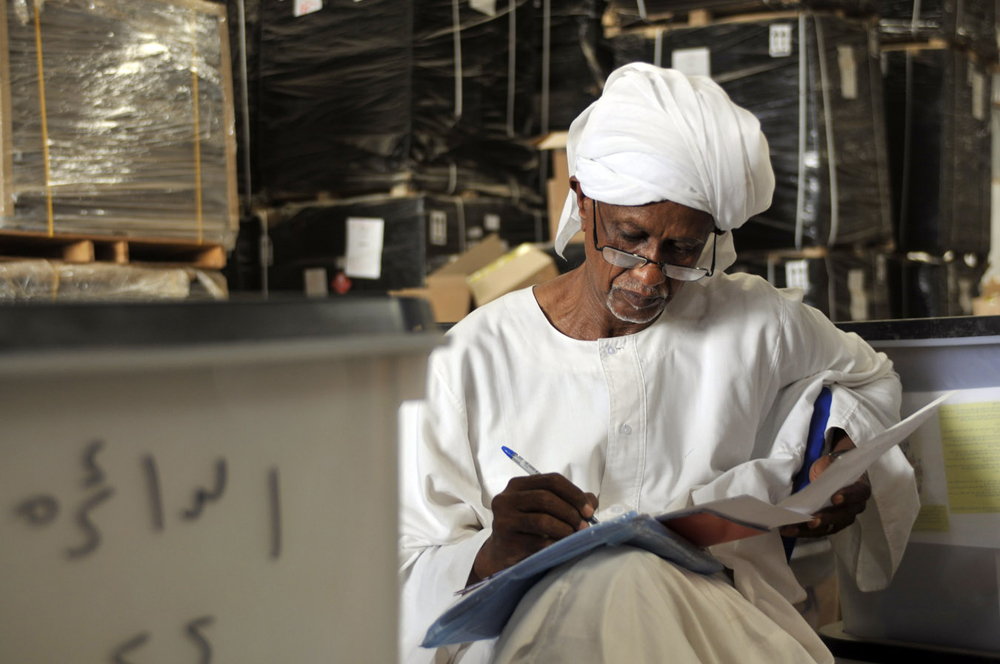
(364, 247)
(692, 61)
(316, 282)
(491, 222)
(849, 467)
(438, 221)
(848, 71)
(797, 275)
(780, 42)
(303, 7)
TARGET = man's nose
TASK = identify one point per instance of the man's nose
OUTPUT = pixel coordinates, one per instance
(649, 274)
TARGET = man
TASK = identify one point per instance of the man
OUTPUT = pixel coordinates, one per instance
(646, 379)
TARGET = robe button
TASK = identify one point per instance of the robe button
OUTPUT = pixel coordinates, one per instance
(626, 429)
(612, 350)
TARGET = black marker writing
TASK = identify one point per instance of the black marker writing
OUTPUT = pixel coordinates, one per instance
(203, 644)
(94, 473)
(118, 656)
(272, 481)
(83, 520)
(155, 499)
(39, 510)
(202, 496)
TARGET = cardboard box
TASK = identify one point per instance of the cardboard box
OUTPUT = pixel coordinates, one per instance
(447, 287)
(557, 187)
(525, 266)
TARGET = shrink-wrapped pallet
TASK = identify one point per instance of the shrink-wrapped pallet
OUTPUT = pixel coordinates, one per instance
(117, 119)
(937, 110)
(813, 81)
(384, 243)
(845, 284)
(966, 22)
(630, 12)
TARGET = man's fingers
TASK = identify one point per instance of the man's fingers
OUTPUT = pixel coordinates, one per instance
(560, 487)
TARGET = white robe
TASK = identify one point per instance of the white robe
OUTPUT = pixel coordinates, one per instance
(712, 400)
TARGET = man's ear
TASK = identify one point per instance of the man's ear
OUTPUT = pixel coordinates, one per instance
(574, 184)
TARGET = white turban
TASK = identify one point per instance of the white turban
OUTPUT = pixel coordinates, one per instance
(658, 135)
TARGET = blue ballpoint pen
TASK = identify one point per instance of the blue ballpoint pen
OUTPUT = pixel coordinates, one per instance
(531, 470)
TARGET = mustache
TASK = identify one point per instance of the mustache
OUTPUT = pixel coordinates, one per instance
(662, 291)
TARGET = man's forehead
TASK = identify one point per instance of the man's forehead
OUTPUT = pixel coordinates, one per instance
(659, 212)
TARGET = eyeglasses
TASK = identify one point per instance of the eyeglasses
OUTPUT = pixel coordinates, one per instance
(631, 261)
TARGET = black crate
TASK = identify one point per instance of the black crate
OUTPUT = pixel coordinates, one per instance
(764, 65)
(845, 284)
(420, 233)
(937, 110)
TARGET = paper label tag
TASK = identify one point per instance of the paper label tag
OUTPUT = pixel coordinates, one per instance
(780, 42)
(438, 227)
(303, 7)
(491, 222)
(848, 71)
(692, 61)
(364, 247)
(316, 283)
(488, 7)
(474, 233)
(797, 274)
(859, 296)
(978, 95)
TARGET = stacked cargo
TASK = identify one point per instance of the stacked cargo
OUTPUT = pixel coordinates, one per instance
(386, 111)
(117, 140)
(936, 57)
(813, 81)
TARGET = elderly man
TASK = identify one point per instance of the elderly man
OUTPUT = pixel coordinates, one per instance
(632, 388)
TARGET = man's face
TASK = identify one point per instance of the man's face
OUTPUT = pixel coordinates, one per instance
(664, 232)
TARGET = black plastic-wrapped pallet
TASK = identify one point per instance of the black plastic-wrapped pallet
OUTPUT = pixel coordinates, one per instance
(928, 287)
(819, 101)
(574, 60)
(630, 12)
(334, 97)
(845, 284)
(966, 22)
(419, 233)
(473, 79)
(937, 110)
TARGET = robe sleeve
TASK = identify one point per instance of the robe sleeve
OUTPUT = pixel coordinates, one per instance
(440, 529)
(866, 399)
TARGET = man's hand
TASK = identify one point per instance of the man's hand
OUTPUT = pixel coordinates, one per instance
(531, 513)
(848, 503)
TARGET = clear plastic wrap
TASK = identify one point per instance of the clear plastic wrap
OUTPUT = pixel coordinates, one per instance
(845, 284)
(819, 101)
(43, 280)
(419, 234)
(630, 12)
(137, 115)
(937, 109)
(967, 22)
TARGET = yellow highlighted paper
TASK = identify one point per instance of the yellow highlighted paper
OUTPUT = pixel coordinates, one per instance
(970, 438)
(932, 519)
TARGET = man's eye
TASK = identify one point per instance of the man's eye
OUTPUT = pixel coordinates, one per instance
(628, 237)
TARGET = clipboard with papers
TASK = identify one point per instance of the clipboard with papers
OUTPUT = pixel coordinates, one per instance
(680, 537)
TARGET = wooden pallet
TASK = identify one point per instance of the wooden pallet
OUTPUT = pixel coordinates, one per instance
(121, 250)
(700, 18)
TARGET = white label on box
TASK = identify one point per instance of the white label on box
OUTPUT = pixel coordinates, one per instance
(474, 233)
(488, 7)
(692, 61)
(303, 7)
(797, 275)
(317, 285)
(848, 71)
(438, 227)
(859, 296)
(491, 222)
(364, 247)
(978, 95)
(780, 43)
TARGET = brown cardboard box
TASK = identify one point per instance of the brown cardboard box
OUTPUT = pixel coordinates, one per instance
(447, 287)
(525, 266)
(557, 187)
